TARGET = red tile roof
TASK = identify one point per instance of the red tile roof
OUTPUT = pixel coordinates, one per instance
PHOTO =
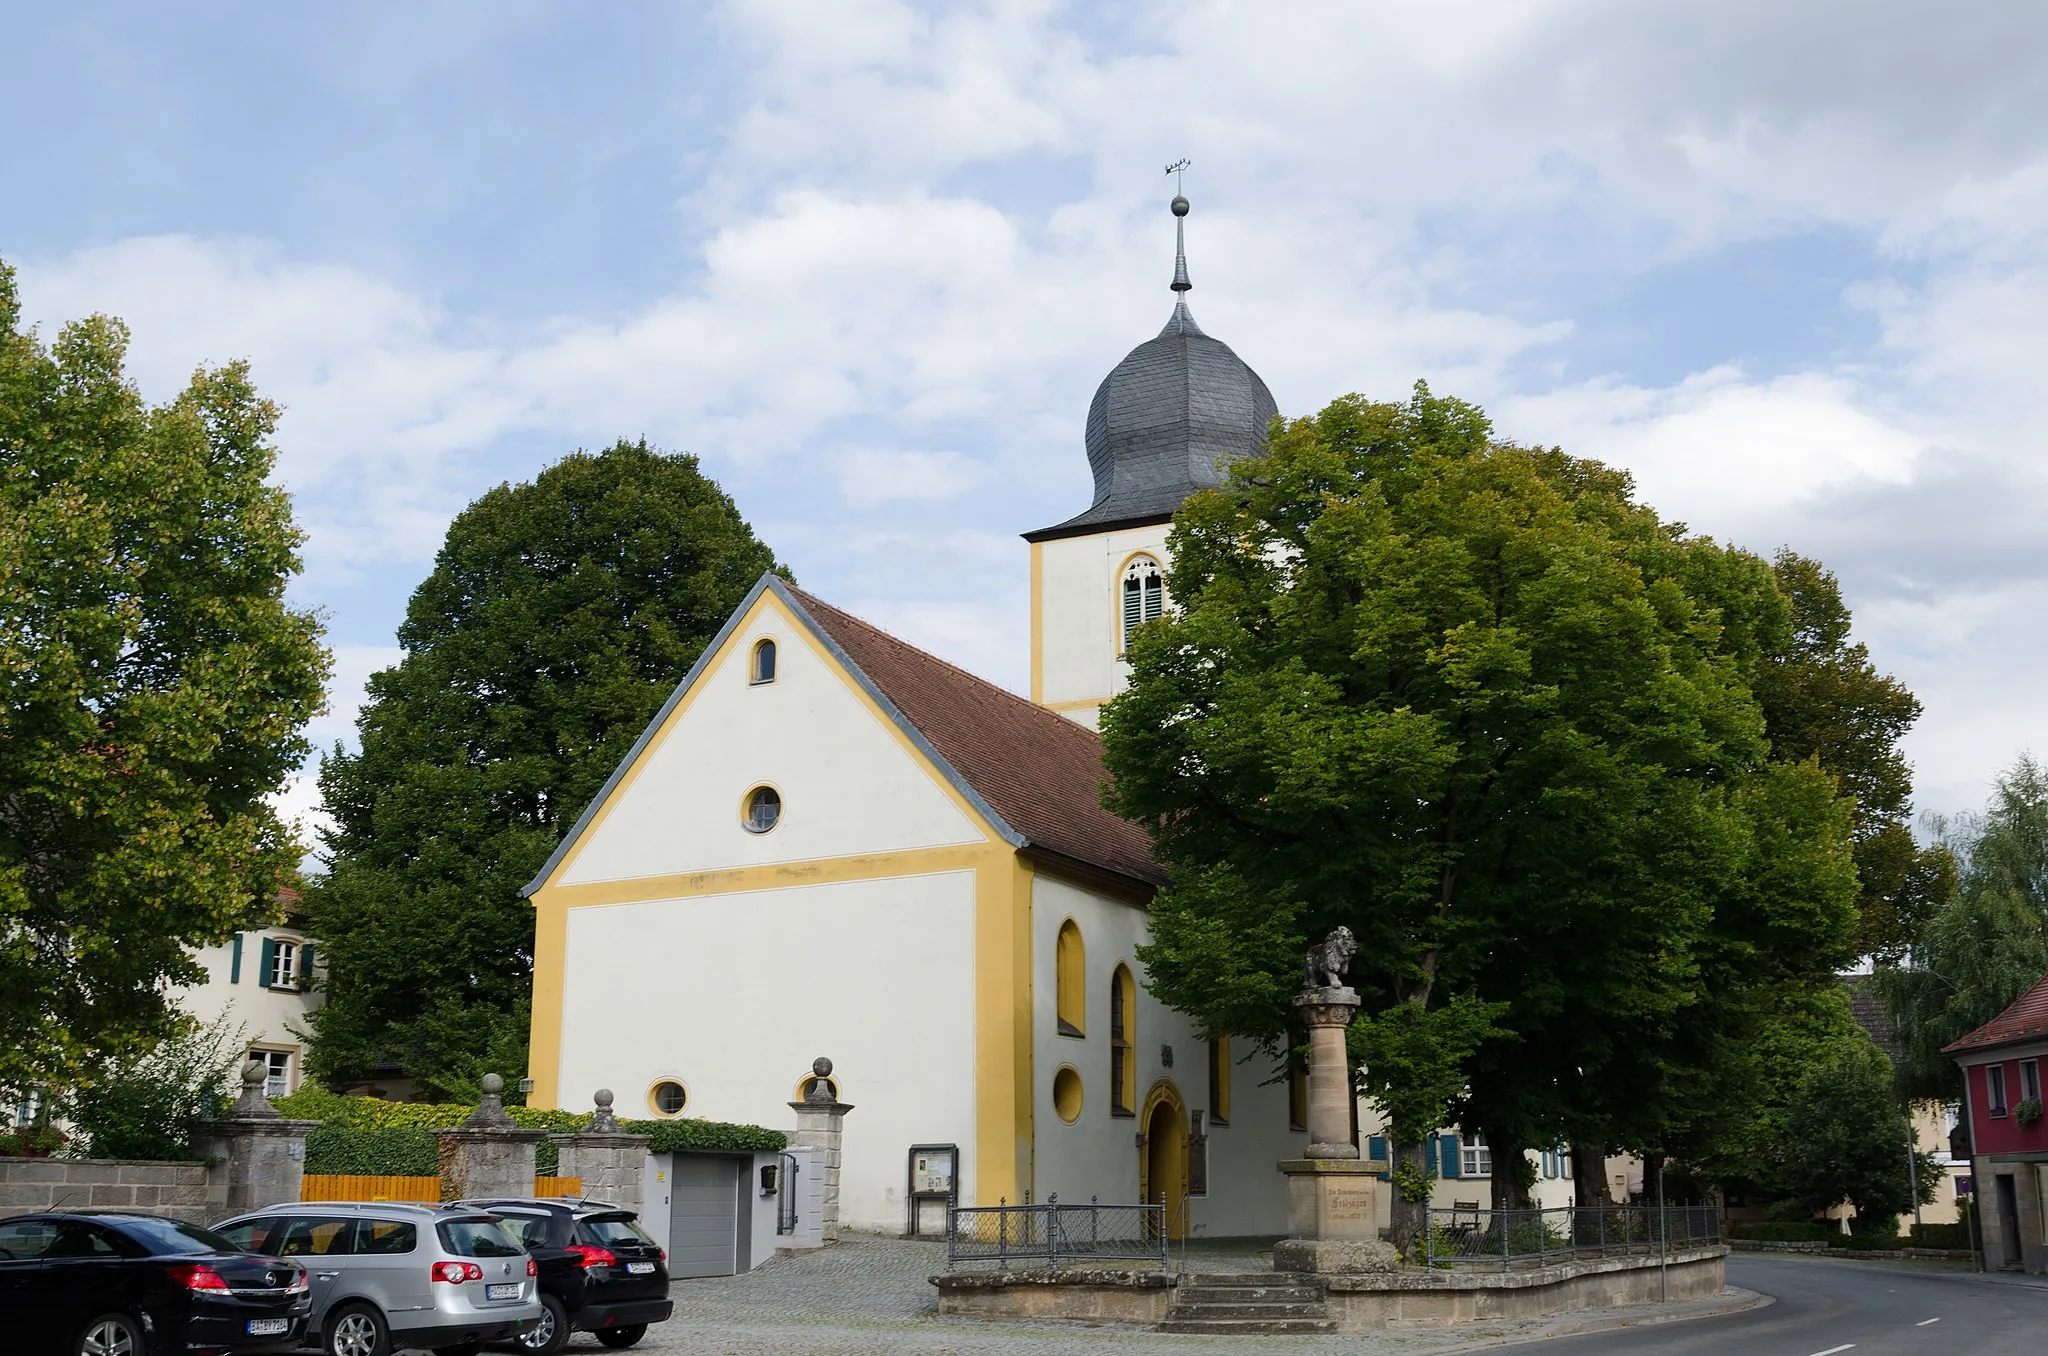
(2025, 1020)
(1039, 771)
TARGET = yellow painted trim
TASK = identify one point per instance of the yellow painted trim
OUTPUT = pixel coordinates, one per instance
(1077, 704)
(1003, 1054)
(774, 875)
(753, 661)
(654, 1109)
(544, 1036)
(1038, 621)
(746, 808)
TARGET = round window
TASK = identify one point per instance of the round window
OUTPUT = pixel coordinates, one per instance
(764, 808)
(668, 1097)
(1066, 1093)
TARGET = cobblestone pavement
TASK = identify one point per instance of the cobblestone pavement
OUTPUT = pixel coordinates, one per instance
(869, 1294)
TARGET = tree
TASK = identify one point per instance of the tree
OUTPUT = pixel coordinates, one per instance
(1464, 698)
(558, 618)
(1847, 1140)
(1986, 944)
(153, 686)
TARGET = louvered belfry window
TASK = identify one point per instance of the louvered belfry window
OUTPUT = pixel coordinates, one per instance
(1122, 1069)
(1144, 594)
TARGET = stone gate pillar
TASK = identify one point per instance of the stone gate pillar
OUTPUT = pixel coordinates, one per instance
(488, 1154)
(254, 1156)
(819, 1117)
(610, 1161)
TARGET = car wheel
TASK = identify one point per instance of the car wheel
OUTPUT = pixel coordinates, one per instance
(356, 1330)
(550, 1332)
(623, 1336)
(111, 1335)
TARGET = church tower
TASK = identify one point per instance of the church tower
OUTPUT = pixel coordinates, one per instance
(1162, 425)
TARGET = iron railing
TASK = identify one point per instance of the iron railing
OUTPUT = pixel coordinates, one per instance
(1053, 1234)
(1507, 1237)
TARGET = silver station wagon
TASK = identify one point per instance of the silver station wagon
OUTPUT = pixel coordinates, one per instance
(449, 1278)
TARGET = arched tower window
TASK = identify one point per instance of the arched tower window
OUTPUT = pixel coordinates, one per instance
(1143, 594)
(1070, 979)
(763, 668)
(1123, 1034)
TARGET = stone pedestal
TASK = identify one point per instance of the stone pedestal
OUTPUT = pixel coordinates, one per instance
(255, 1157)
(610, 1162)
(1332, 1193)
(819, 1118)
(488, 1154)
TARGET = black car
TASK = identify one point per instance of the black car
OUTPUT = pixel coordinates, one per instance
(118, 1283)
(599, 1271)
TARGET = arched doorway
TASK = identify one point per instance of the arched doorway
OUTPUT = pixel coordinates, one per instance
(1163, 1161)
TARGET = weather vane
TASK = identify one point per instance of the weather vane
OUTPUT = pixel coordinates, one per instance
(1176, 169)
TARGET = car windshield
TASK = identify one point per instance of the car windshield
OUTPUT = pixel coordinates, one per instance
(616, 1229)
(170, 1238)
(532, 1231)
(477, 1238)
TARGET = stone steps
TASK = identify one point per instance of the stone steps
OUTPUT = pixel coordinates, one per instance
(1247, 1303)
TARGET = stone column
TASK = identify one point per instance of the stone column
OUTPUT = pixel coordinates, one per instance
(254, 1157)
(1332, 1193)
(488, 1154)
(610, 1161)
(818, 1120)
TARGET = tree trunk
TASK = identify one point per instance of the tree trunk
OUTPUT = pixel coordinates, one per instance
(1406, 1217)
(1509, 1191)
(1589, 1174)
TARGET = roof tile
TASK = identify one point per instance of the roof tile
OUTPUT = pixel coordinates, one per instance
(2025, 1020)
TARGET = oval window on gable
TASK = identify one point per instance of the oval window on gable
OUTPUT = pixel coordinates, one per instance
(763, 668)
(668, 1098)
(763, 809)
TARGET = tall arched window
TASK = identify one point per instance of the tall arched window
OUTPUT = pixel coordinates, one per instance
(1144, 595)
(1123, 1034)
(763, 670)
(1070, 981)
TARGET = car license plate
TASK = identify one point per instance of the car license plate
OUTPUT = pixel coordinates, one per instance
(269, 1327)
(639, 1268)
(503, 1291)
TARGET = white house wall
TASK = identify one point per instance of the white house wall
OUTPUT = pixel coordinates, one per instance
(1098, 1154)
(735, 994)
(1080, 614)
(848, 784)
(252, 1012)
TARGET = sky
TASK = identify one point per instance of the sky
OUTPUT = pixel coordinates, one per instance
(1788, 264)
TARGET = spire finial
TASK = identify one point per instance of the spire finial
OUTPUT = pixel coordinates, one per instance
(1180, 236)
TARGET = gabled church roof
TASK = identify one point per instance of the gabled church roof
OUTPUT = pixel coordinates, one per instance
(1040, 773)
(2025, 1020)
(1036, 776)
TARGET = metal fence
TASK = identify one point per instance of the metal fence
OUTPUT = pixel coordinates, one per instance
(1053, 1234)
(1532, 1237)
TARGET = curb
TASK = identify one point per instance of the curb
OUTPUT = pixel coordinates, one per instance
(1733, 1300)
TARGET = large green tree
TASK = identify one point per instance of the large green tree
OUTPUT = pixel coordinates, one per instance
(1986, 944)
(1847, 1140)
(153, 686)
(1473, 702)
(558, 618)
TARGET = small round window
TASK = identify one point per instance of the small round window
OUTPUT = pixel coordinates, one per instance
(668, 1097)
(763, 809)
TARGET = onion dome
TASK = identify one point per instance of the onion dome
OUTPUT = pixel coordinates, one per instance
(1167, 418)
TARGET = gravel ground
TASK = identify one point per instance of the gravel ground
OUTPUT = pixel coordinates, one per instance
(869, 1294)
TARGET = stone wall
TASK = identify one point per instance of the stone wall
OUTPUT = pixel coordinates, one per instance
(1080, 1296)
(1445, 1297)
(176, 1189)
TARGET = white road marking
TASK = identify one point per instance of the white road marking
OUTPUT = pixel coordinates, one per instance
(1925, 1321)
(1832, 1350)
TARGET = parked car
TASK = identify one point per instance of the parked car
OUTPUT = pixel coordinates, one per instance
(599, 1271)
(448, 1278)
(121, 1283)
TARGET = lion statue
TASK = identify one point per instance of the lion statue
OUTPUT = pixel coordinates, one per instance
(1330, 960)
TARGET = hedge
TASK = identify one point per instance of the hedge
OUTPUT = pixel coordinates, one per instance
(1956, 1236)
(370, 1136)
(1784, 1231)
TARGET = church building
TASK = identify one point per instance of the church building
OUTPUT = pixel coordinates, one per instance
(829, 842)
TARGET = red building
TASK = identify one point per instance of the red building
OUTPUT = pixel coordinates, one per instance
(2001, 1062)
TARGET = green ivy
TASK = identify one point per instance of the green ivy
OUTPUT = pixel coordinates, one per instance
(670, 1136)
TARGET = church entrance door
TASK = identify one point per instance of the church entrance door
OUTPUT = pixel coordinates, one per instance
(1163, 1162)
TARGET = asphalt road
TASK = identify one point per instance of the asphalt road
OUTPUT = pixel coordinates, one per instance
(1866, 1308)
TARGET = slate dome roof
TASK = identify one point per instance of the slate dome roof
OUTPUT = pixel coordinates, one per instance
(1166, 419)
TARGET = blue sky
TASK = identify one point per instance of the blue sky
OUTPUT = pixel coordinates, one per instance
(870, 259)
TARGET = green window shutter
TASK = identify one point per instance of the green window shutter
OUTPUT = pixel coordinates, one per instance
(235, 961)
(305, 966)
(1133, 602)
(1376, 1147)
(269, 963)
(1447, 1145)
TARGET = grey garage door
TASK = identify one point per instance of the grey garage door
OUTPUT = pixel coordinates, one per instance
(703, 1216)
